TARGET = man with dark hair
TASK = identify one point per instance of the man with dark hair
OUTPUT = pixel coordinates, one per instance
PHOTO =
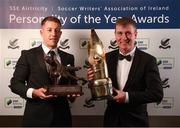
(31, 76)
(135, 79)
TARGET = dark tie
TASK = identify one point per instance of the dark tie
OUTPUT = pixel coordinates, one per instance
(52, 58)
(128, 57)
(52, 54)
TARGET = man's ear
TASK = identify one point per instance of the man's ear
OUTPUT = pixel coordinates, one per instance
(41, 31)
(136, 34)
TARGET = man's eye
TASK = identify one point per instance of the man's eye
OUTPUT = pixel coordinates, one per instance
(119, 33)
(57, 30)
(128, 33)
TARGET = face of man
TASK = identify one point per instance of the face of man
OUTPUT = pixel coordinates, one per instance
(50, 33)
(125, 36)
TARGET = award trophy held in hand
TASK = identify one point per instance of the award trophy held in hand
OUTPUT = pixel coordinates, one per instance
(101, 85)
(57, 70)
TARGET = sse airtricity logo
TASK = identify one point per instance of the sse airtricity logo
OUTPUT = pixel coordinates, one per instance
(142, 43)
(166, 103)
(165, 63)
(14, 102)
(10, 63)
(35, 43)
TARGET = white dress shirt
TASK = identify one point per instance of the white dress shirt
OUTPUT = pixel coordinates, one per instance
(123, 69)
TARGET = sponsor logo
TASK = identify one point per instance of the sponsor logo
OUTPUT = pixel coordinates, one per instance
(142, 43)
(10, 62)
(64, 44)
(166, 103)
(113, 44)
(165, 83)
(165, 63)
(13, 43)
(14, 102)
(83, 42)
(165, 44)
(35, 43)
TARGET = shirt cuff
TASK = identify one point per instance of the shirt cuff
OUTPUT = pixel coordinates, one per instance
(29, 92)
(127, 98)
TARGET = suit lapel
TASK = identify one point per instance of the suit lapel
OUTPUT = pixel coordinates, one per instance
(115, 67)
(41, 61)
(133, 69)
(63, 57)
(112, 67)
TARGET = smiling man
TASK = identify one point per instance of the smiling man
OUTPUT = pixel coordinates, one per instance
(31, 76)
(135, 79)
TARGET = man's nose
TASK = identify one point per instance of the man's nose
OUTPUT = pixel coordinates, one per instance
(54, 33)
(124, 36)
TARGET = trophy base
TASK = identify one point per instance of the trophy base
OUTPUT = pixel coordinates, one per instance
(101, 92)
(64, 90)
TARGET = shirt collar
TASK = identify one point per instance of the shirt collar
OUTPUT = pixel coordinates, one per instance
(46, 49)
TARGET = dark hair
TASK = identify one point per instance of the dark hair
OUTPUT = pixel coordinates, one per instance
(126, 21)
(50, 18)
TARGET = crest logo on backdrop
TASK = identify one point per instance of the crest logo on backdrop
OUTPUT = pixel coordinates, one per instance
(13, 43)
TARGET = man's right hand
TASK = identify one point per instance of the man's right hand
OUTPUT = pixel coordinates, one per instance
(41, 93)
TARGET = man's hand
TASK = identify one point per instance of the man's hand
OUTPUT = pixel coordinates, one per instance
(120, 97)
(41, 93)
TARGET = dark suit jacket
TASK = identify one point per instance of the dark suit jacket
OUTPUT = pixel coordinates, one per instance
(31, 72)
(143, 86)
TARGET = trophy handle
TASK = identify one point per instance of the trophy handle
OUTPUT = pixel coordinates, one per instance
(89, 102)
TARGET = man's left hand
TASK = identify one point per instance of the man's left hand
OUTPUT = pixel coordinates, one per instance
(120, 97)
